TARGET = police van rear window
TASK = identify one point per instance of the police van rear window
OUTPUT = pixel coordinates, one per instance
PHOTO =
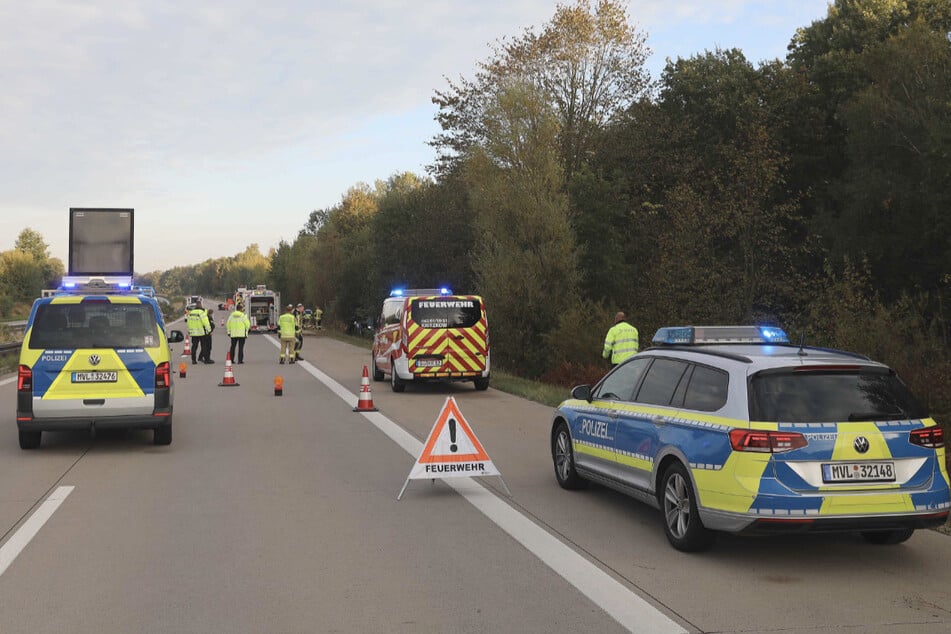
(446, 312)
(93, 325)
(832, 396)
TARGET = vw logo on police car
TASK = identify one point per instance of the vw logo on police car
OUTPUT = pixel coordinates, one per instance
(861, 444)
(94, 359)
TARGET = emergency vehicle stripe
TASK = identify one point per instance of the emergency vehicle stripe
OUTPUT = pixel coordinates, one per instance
(463, 349)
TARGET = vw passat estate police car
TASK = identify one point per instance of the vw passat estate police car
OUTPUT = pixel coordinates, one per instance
(95, 354)
(732, 428)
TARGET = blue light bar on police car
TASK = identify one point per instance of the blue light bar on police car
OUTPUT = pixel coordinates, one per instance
(691, 335)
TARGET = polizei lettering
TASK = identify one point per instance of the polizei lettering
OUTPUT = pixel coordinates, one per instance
(596, 428)
(451, 468)
(447, 304)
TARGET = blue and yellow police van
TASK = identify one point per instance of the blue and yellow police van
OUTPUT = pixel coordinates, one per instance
(95, 355)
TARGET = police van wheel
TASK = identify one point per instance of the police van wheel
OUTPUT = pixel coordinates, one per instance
(563, 457)
(678, 503)
(377, 373)
(482, 383)
(162, 435)
(888, 538)
(30, 439)
(398, 384)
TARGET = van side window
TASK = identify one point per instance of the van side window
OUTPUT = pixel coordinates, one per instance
(392, 311)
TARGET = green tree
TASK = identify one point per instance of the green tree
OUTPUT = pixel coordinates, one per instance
(32, 242)
(524, 241)
(896, 192)
(587, 64)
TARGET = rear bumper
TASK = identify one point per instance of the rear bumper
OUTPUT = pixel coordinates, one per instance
(748, 524)
(843, 524)
(104, 422)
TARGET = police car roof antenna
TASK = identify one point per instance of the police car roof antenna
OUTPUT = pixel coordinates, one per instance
(802, 341)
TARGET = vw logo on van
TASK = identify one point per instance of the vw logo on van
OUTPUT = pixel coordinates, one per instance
(861, 444)
(94, 359)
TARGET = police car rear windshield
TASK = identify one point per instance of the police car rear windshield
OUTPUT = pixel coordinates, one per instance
(448, 312)
(823, 396)
(93, 325)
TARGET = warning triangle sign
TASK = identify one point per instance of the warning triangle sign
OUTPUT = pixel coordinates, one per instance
(452, 449)
(452, 439)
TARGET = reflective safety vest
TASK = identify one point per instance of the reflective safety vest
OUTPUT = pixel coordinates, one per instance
(621, 342)
(197, 321)
(287, 325)
(238, 324)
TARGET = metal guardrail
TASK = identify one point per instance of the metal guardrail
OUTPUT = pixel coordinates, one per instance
(12, 345)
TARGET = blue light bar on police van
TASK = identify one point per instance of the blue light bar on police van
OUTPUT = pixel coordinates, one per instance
(691, 335)
(99, 284)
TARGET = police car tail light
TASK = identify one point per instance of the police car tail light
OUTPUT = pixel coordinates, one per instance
(763, 441)
(162, 375)
(24, 379)
(930, 437)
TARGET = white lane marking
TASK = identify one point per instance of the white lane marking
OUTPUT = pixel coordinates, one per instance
(626, 607)
(29, 529)
(8, 380)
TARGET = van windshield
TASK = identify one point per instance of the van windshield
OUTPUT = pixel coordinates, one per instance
(446, 312)
(94, 325)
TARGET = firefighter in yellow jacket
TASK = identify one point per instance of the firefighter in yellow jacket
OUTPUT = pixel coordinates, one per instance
(287, 329)
(621, 341)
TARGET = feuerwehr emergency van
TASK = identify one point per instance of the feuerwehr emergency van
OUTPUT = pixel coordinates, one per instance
(431, 335)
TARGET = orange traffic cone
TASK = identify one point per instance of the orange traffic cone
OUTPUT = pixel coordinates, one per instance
(228, 380)
(278, 385)
(181, 369)
(187, 352)
(365, 403)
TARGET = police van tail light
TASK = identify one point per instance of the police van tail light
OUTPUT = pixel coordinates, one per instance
(930, 437)
(24, 379)
(763, 441)
(163, 375)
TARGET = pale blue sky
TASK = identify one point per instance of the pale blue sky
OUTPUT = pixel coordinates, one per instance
(226, 124)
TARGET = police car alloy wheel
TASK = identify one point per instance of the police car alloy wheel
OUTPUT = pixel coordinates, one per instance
(682, 522)
(564, 460)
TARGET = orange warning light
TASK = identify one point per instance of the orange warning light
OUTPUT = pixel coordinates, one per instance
(278, 385)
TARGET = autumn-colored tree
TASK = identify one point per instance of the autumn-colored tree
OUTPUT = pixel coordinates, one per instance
(586, 64)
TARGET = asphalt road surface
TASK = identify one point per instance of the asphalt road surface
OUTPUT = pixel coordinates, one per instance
(280, 514)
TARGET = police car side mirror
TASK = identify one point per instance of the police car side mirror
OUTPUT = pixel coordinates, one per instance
(581, 393)
(175, 336)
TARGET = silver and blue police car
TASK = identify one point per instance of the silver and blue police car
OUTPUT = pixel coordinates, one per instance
(734, 429)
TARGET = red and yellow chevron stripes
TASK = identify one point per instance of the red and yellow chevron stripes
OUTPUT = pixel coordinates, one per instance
(448, 352)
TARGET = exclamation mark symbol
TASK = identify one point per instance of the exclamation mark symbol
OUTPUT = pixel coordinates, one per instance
(452, 435)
